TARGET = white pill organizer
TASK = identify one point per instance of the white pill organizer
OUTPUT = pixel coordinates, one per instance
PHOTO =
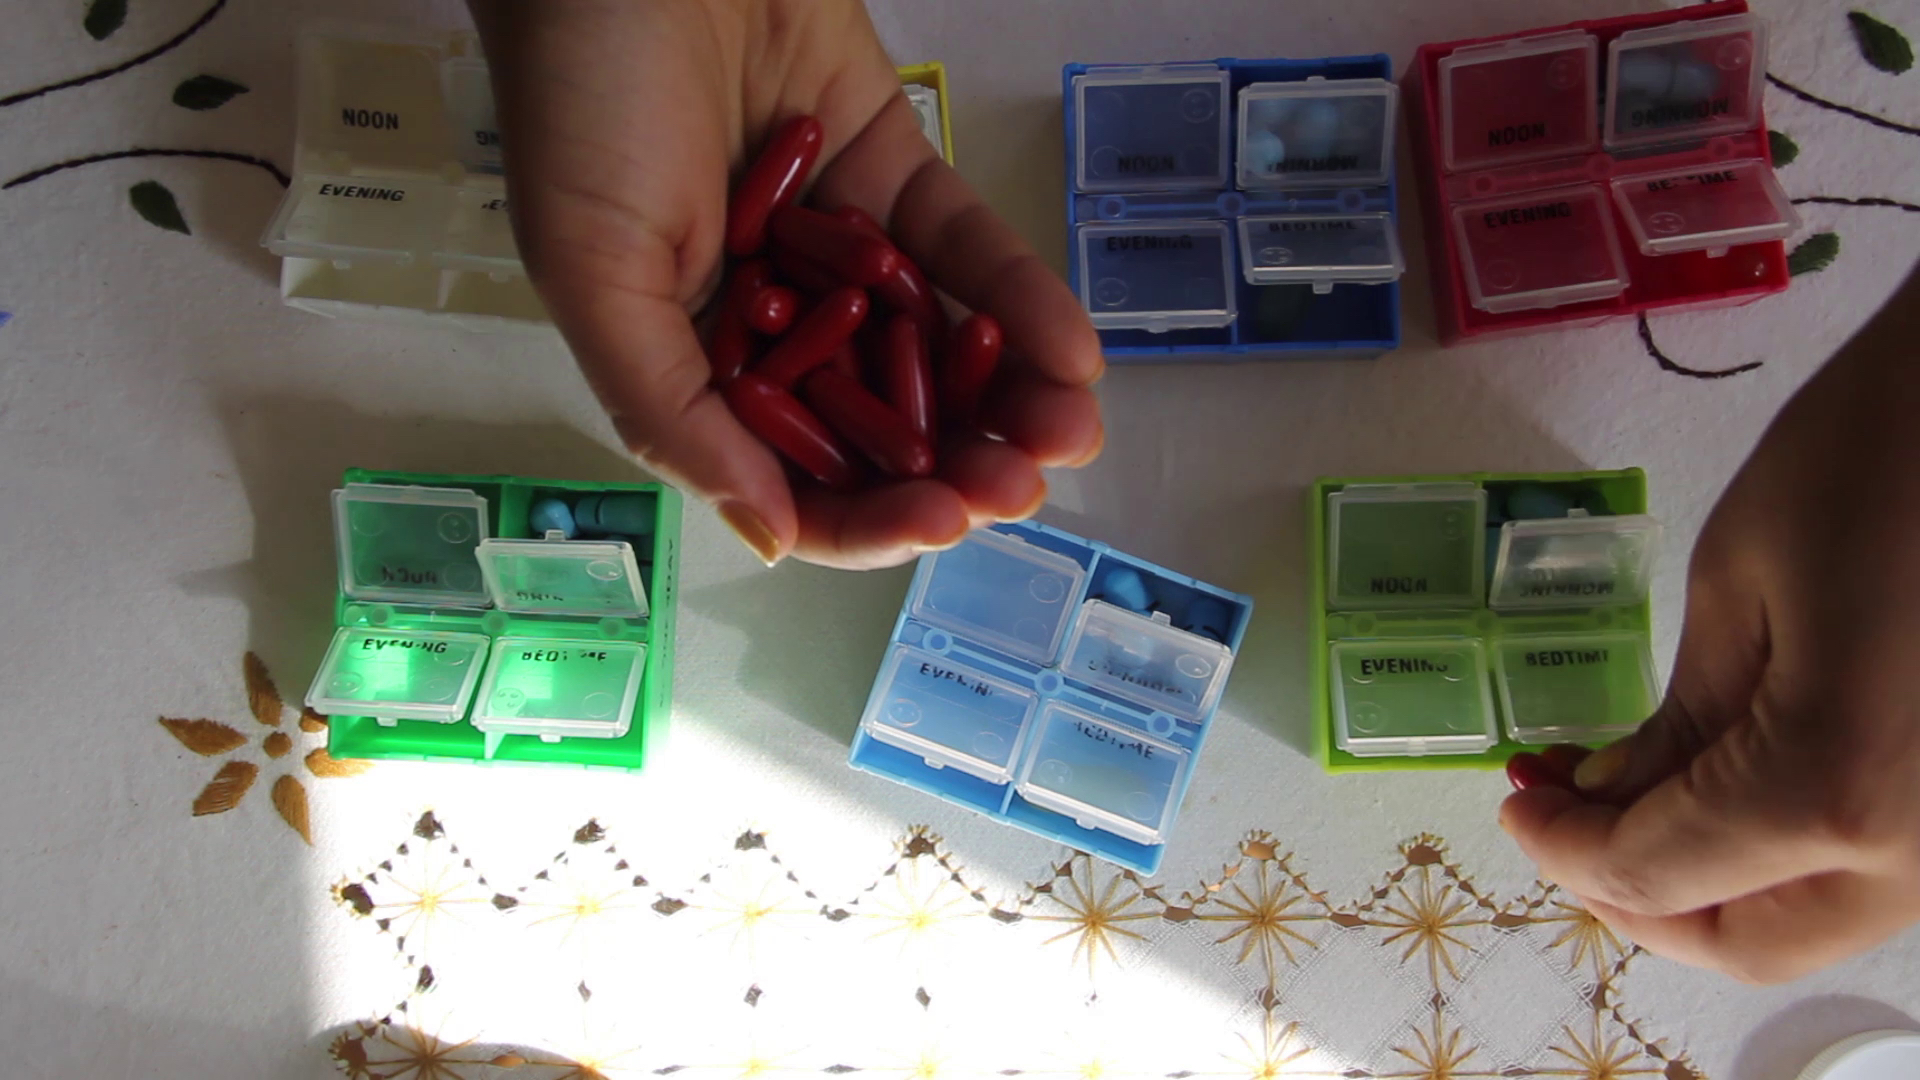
(397, 207)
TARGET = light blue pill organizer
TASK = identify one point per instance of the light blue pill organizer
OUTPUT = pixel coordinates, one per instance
(1055, 684)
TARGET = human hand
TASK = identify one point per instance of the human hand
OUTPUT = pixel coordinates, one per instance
(1766, 820)
(620, 122)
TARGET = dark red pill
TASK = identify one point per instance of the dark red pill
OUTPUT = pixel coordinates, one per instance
(973, 352)
(772, 182)
(795, 269)
(1527, 771)
(814, 339)
(1565, 758)
(849, 252)
(730, 345)
(846, 361)
(905, 374)
(778, 419)
(907, 290)
(861, 220)
(772, 310)
(883, 435)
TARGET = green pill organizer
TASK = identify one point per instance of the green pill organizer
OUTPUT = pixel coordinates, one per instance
(1459, 619)
(462, 635)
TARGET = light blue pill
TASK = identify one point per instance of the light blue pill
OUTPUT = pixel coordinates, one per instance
(1644, 71)
(1264, 151)
(552, 515)
(1123, 587)
(629, 515)
(1693, 82)
(1533, 502)
(1314, 130)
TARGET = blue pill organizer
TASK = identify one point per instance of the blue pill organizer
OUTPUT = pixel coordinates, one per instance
(1055, 684)
(1235, 208)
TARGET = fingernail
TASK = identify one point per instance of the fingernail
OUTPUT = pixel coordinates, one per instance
(752, 531)
(1602, 769)
(1526, 771)
(1088, 458)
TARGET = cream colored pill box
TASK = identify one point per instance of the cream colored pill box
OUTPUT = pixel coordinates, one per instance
(397, 206)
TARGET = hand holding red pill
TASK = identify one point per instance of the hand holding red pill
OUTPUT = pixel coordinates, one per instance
(664, 157)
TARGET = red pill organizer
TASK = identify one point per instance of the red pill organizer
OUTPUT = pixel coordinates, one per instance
(1607, 168)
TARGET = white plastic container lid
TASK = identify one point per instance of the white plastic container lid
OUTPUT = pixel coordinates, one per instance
(1103, 774)
(564, 577)
(1705, 208)
(1157, 275)
(1151, 128)
(395, 675)
(951, 714)
(1540, 249)
(557, 689)
(1519, 100)
(1685, 81)
(349, 219)
(1146, 660)
(1577, 562)
(1321, 250)
(1874, 1055)
(1318, 133)
(1001, 593)
(410, 545)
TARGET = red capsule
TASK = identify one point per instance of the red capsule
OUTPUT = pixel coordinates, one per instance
(907, 290)
(973, 353)
(803, 273)
(1527, 771)
(772, 309)
(730, 346)
(778, 419)
(1566, 757)
(846, 361)
(853, 413)
(905, 374)
(772, 182)
(813, 339)
(850, 253)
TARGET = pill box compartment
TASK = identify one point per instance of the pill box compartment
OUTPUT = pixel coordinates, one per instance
(372, 106)
(1320, 250)
(1572, 588)
(1710, 208)
(573, 730)
(1519, 100)
(410, 545)
(1270, 320)
(1150, 128)
(984, 654)
(1405, 546)
(552, 688)
(1543, 249)
(394, 675)
(1157, 276)
(1732, 257)
(1316, 134)
(1685, 81)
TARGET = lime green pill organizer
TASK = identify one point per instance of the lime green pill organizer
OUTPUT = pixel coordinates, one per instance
(1459, 619)
(477, 622)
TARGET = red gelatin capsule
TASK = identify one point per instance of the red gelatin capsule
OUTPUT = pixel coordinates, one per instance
(771, 183)
(849, 252)
(905, 374)
(907, 290)
(846, 361)
(1526, 771)
(972, 355)
(815, 337)
(853, 413)
(730, 347)
(803, 273)
(1565, 758)
(861, 220)
(772, 309)
(778, 419)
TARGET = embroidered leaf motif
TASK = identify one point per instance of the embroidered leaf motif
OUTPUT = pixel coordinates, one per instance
(262, 696)
(203, 92)
(152, 201)
(1785, 150)
(104, 17)
(225, 790)
(204, 737)
(290, 799)
(277, 744)
(1814, 254)
(1884, 47)
(312, 722)
(321, 763)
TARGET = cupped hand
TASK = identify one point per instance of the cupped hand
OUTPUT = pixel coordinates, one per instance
(622, 124)
(1766, 820)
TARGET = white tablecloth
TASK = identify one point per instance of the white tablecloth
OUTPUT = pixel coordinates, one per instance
(168, 436)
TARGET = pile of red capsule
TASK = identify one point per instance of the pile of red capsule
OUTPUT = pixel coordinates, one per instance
(828, 343)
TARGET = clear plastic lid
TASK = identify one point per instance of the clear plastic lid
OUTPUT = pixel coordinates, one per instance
(395, 675)
(560, 689)
(476, 131)
(1574, 562)
(1685, 80)
(564, 577)
(1705, 208)
(1150, 128)
(1540, 249)
(1406, 546)
(1103, 774)
(410, 545)
(371, 107)
(950, 714)
(926, 105)
(479, 235)
(1579, 688)
(1411, 697)
(1000, 592)
(1519, 100)
(1320, 249)
(347, 219)
(1317, 134)
(1159, 276)
(1145, 660)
